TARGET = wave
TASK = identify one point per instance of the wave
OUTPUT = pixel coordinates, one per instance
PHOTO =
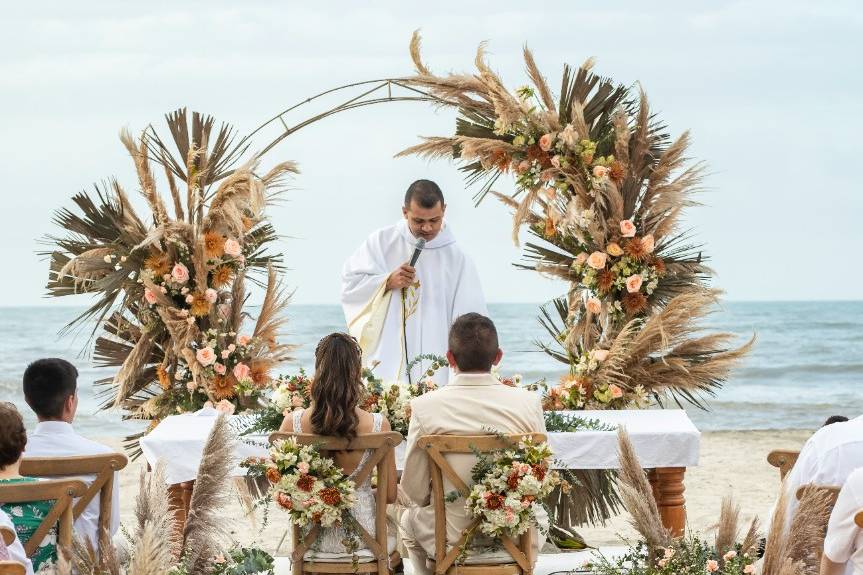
(801, 368)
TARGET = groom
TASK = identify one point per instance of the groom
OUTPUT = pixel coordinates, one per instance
(473, 403)
(397, 311)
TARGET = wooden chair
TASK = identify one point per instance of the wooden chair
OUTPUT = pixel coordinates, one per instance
(858, 519)
(382, 445)
(62, 492)
(437, 446)
(103, 466)
(782, 459)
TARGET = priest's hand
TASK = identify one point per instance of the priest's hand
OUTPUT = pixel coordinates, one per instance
(402, 277)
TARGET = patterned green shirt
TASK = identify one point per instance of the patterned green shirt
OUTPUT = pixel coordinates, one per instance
(26, 517)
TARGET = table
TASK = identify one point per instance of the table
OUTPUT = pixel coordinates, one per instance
(665, 440)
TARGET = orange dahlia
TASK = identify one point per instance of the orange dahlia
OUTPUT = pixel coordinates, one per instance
(223, 387)
(220, 276)
(634, 248)
(605, 281)
(273, 475)
(634, 303)
(260, 374)
(158, 263)
(200, 306)
(214, 244)
(284, 500)
(305, 483)
(659, 265)
(616, 172)
(494, 501)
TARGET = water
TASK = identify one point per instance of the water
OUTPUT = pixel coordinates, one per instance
(807, 363)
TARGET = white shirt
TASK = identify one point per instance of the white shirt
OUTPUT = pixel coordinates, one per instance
(827, 458)
(844, 541)
(58, 439)
(16, 549)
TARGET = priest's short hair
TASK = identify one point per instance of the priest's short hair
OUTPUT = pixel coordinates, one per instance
(426, 193)
(473, 342)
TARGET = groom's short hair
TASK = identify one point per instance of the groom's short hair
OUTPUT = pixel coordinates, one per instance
(426, 193)
(473, 342)
(47, 384)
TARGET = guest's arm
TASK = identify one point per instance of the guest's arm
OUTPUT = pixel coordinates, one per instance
(842, 532)
(392, 483)
(416, 476)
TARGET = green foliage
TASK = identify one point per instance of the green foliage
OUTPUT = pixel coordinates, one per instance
(556, 421)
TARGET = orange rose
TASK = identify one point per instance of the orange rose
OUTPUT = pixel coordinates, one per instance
(633, 283)
(593, 305)
(627, 228)
(596, 260)
(546, 141)
(614, 249)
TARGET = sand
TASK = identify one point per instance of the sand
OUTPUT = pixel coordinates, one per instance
(732, 462)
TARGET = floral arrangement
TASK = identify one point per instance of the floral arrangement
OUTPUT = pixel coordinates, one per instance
(508, 483)
(310, 487)
(689, 555)
(171, 286)
(393, 399)
(600, 187)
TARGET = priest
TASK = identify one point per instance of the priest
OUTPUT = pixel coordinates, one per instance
(399, 312)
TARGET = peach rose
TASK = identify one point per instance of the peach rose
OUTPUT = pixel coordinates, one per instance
(232, 248)
(190, 298)
(225, 407)
(596, 260)
(243, 340)
(749, 569)
(616, 392)
(648, 243)
(627, 228)
(225, 354)
(242, 371)
(522, 167)
(180, 273)
(545, 142)
(220, 367)
(712, 566)
(303, 467)
(149, 296)
(600, 172)
(581, 258)
(211, 295)
(599, 354)
(555, 161)
(206, 356)
(633, 283)
(614, 249)
(593, 305)
(730, 555)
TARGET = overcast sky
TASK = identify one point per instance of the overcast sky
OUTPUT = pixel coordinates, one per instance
(770, 90)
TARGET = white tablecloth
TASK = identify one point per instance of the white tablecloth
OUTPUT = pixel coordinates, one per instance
(661, 437)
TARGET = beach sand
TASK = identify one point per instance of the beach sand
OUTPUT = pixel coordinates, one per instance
(732, 462)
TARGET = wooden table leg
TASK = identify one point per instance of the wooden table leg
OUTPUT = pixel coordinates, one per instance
(668, 488)
(180, 497)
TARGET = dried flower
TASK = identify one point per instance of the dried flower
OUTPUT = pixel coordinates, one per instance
(214, 244)
(221, 276)
(634, 303)
(616, 172)
(222, 387)
(200, 306)
(164, 378)
(605, 281)
(635, 249)
(158, 263)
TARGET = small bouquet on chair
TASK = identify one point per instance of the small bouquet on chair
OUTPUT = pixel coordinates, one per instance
(507, 484)
(311, 487)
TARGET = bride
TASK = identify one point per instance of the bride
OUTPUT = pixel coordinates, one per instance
(336, 393)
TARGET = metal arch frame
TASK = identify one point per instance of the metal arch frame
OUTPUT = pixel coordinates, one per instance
(366, 98)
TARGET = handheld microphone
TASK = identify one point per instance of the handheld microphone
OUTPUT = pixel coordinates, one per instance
(421, 243)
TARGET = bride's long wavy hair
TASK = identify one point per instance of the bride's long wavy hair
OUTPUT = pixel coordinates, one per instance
(337, 387)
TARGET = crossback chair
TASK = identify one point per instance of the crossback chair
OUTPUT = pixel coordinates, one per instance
(61, 492)
(103, 466)
(782, 459)
(9, 567)
(437, 447)
(382, 445)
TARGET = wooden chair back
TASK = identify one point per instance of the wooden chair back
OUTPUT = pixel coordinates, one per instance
(12, 568)
(782, 459)
(7, 534)
(102, 466)
(437, 447)
(61, 492)
(381, 445)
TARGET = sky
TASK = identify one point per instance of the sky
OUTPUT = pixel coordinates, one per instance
(770, 91)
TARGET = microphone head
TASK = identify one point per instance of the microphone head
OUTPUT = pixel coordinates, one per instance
(421, 243)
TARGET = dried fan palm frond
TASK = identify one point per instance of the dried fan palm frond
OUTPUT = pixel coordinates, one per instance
(637, 496)
(206, 528)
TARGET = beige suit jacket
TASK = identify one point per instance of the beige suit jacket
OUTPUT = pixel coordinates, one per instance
(471, 404)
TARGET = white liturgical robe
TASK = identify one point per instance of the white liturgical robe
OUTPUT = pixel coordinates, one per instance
(447, 286)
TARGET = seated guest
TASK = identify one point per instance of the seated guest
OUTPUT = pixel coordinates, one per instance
(51, 391)
(834, 419)
(335, 412)
(827, 458)
(14, 551)
(473, 403)
(843, 546)
(26, 517)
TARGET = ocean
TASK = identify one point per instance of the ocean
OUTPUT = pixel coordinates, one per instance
(807, 363)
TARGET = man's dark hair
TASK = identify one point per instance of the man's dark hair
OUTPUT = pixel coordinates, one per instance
(473, 342)
(835, 419)
(47, 384)
(426, 193)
